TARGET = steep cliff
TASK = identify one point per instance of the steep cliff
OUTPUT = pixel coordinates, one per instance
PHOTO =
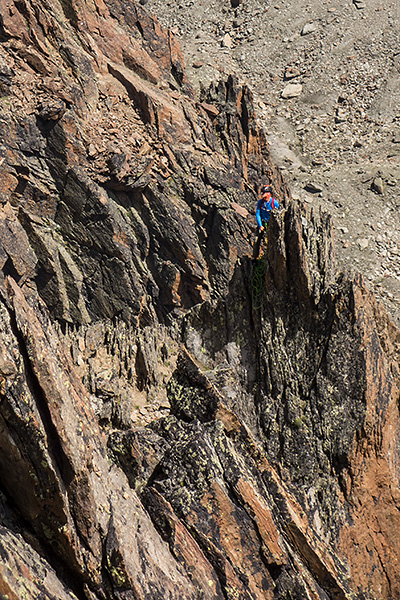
(170, 427)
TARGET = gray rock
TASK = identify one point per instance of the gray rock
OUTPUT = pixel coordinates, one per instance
(313, 187)
(377, 185)
(227, 41)
(292, 90)
(52, 110)
(363, 243)
(341, 115)
(291, 72)
(309, 28)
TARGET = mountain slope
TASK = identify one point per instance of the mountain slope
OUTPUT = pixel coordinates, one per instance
(325, 76)
(167, 430)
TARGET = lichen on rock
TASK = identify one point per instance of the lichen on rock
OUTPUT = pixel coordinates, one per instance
(162, 435)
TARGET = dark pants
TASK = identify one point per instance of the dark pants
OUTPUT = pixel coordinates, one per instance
(260, 236)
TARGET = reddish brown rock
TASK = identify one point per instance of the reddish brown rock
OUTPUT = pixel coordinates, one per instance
(61, 480)
(271, 469)
(24, 573)
(182, 544)
(373, 475)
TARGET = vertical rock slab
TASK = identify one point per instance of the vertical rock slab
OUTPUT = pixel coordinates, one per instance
(330, 389)
(220, 484)
(25, 574)
(62, 481)
(372, 481)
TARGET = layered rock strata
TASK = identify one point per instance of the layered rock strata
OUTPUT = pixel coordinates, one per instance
(270, 468)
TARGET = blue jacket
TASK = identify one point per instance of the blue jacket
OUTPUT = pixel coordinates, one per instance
(264, 208)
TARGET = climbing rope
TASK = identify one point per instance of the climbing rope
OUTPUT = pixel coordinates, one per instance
(258, 271)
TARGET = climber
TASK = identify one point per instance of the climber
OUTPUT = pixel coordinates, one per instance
(265, 205)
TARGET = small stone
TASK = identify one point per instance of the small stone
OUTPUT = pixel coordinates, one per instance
(227, 41)
(92, 150)
(359, 4)
(309, 28)
(292, 90)
(313, 188)
(363, 243)
(198, 64)
(341, 115)
(291, 73)
(377, 185)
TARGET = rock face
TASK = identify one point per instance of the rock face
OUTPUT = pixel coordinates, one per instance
(170, 427)
(340, 132)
